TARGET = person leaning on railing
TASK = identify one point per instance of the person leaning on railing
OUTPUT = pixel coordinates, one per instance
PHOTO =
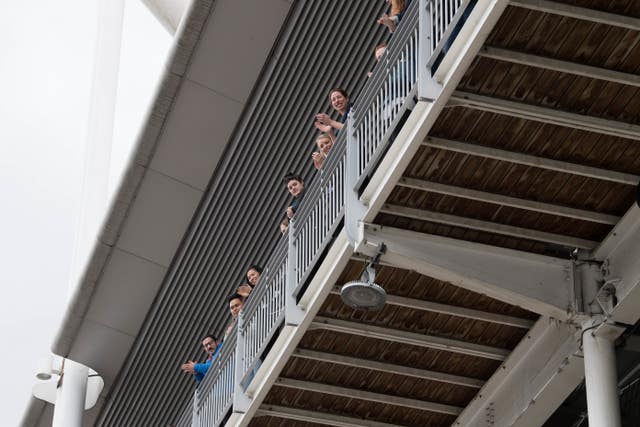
(236, 302)
(340, 102)
(211, 346)
(393, 18)
(284, 225)
(324, 142)
(253, 275)
(295, 186)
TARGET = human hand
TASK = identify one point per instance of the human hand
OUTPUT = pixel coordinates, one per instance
(318, 158)
(188, 367)
(324, 119)
(322, 127)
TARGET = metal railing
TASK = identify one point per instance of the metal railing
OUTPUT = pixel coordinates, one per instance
(402, 75)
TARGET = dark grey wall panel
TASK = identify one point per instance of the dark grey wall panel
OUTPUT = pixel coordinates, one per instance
(324, 44)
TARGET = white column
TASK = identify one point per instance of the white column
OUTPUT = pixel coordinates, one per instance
(601, 380)
(71, 395)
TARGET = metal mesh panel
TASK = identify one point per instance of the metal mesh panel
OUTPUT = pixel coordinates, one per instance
(324, 44)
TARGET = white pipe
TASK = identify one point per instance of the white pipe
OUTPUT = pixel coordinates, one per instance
(71, 396)
(601, 380)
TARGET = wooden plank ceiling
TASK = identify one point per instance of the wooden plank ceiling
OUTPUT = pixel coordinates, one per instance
(488, 173)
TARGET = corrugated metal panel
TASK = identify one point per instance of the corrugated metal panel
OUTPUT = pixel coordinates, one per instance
(324, 44)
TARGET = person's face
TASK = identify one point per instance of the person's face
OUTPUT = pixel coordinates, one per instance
(295, 187)
(253, 276)
(235, 305)
(283, 227)
(338, 101)
(379, 52)
(209, 345)
(324, 145)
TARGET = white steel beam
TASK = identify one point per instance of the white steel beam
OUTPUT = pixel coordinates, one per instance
(620, 252)
(351, 393)
(579, 13)
(514, 202)
(410, 338)
(490, 227)
(547, 63)
(325, 418)
(529, 160)
(534, 380)
(355, 362)
(537, 283)
(455, 310)
(545, 115)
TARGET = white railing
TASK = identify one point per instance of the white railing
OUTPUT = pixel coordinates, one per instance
(264, 311)
(214, 397)
(320, 213)
(402, 75)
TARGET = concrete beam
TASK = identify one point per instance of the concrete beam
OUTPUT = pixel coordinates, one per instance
(455, 310)
(579, 13)
(529, 160)
(541, 284)
(386, 399)
(514, 202)
(545, 115)
(355, 362)
(490, 227)
(547, 63)
(315, 417)
(410, 338)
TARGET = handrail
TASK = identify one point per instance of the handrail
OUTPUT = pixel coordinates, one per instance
(404, 73)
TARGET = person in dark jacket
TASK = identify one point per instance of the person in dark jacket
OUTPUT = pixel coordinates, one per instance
(295, 186)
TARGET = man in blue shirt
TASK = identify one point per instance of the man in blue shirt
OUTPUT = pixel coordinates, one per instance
(212, 346)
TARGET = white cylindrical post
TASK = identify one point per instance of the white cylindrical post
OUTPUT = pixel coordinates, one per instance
(71, 396)
(601, 380)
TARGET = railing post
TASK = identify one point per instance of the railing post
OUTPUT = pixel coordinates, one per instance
(293, 314)
(428, 88)
(241, 401)
(354, 209)
(195, 418)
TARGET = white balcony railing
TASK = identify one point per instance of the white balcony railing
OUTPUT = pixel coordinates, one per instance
(402, 76)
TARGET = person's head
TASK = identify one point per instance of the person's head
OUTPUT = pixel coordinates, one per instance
(339, 99)
(295, 184)
(284, 225)
(244, 290)
(253, 274)
(236, 301)
(379, 51)
(397, 6)
(324, 143)
(209, 344)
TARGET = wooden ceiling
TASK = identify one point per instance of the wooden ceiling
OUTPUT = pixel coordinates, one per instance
(525, 157)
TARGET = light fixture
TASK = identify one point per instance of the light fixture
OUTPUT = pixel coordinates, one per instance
(365, 294)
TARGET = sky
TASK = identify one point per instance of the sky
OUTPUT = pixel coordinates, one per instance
(46, 67)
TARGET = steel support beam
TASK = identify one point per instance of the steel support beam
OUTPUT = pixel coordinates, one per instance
(325, 418)
(351, 393)
(355, 362)
(410, 338)
(455, 310)
(579, 13)
(514, 202)
(490, 227)
(601, 378)
(620, 252)
(547, 63)
(537, 283)
(533, 161)
(545, 115)
(534, 380)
